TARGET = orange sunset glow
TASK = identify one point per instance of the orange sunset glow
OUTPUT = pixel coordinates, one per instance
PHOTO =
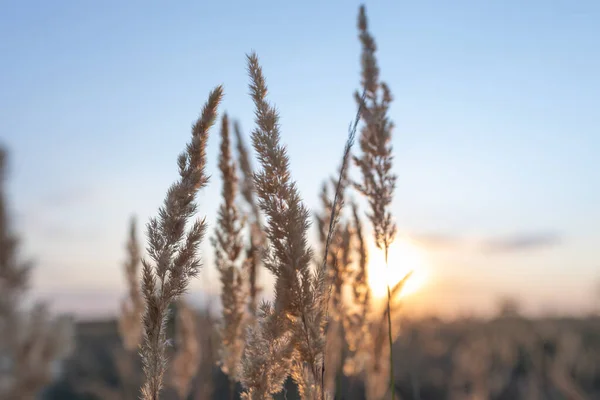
(404, 256)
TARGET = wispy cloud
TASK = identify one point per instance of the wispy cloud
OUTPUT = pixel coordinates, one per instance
(517, 242)
(522, 242)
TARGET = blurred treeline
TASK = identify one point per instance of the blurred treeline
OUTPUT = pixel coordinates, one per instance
(508, 357)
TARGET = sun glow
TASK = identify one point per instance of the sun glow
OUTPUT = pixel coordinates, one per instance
(403, 257)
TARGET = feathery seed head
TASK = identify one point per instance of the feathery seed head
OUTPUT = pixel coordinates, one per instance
(173, 249)
(228, 245)
(296, 313)
(132, 308)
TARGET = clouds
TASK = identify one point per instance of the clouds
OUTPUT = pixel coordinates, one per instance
(522, 242)
(516, 242)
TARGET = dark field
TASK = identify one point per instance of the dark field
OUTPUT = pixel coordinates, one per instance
(504, 358)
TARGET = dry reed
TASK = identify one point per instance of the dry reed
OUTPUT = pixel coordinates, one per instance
(31, 342)
(338, 265)
(357, 332)
(173, 249)
(375, 160)
(132, 308)
(290, 332)
(228, 248)
(257, 234)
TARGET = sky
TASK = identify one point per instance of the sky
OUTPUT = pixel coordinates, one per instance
(495, 144)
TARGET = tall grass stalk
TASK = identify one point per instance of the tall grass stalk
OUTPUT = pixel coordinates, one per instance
(228, 246)
(375, 160)
(132, 307)
(289, 335)
(257, 235)
(173, 249)
(389, 321)
(31, 341)
(336, 206)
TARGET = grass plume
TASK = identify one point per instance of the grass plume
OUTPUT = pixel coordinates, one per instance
(257, 235)
(338, 263)
(357, 324)
(228, 250)
(375, 160)
(173, 249)
(132, 308)
(31, 341)
(336, 268)
(292, 328)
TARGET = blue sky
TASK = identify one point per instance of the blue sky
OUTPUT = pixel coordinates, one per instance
(496, 136)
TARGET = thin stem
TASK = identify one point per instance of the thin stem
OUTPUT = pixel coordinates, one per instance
(335, 213)
(389, 314)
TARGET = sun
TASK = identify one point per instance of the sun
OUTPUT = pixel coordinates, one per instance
(403, 257)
